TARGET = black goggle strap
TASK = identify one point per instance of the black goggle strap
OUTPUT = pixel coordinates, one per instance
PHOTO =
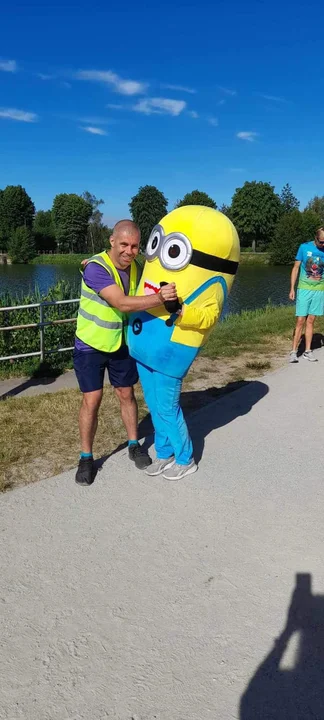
(213, 263)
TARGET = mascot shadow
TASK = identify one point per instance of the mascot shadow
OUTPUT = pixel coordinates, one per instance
(204, 415)
(289, 683)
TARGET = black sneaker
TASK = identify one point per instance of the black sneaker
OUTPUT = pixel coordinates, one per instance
(85, 473)
(141, 458)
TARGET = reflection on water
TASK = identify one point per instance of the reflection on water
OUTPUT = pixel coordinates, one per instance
(254, 285)
(23, 279)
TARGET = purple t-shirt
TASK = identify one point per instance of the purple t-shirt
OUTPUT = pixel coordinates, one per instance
(97, 278)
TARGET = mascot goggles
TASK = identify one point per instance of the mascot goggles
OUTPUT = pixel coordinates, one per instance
(175, 252)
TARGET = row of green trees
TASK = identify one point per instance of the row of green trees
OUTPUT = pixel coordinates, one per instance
(74, 224)
(268, 221)
(264, 220)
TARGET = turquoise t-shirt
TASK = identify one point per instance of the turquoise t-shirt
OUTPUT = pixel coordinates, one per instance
(311, 276)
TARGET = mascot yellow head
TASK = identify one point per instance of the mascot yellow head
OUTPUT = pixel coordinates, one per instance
(197, 248)
(190, 245)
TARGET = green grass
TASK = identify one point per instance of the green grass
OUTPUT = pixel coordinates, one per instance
(249, 331)
(35, 445)
(252, 329)
(59, 259)
(68, 259)
(247, 258)
(251, 258)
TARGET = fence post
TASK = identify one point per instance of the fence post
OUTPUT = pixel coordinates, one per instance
(41, 332)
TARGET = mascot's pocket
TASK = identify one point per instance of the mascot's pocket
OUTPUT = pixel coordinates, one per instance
(149, 342)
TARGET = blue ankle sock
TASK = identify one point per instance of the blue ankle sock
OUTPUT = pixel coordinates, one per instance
(132, 442)
(85, 455)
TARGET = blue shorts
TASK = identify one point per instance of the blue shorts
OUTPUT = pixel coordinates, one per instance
(309, 302)
(90, 365)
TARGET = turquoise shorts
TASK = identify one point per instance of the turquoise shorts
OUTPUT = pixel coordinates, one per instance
(309, 302)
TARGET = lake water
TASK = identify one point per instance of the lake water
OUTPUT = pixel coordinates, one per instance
(254, 285)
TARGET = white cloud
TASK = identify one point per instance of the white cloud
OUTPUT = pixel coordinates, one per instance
(221, 102)
(193, 114)
(66, 85)
(20, 115)
(180, 88)
(94, 130)
(249, 136)
(93, 120)
(44, 76)
(114, 106)
(227, 91)
(121, 86)
(236, 170)
(213, 121)
(8, 66)
(160, 106)
(272, 98)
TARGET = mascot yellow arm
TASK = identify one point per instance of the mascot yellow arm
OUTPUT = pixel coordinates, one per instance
(201, 318)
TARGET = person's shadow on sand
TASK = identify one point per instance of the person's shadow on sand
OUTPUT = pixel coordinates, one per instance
(297, 692)
(317, 343)
(234, 400)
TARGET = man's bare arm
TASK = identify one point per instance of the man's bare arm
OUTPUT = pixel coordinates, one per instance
(116, 298)
(293, 279)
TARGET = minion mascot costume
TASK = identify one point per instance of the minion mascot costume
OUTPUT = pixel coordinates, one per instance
(198, 249)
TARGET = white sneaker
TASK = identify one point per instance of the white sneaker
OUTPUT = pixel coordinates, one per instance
(309, 355)
(158, 466)
(293, 357)
(176, 472)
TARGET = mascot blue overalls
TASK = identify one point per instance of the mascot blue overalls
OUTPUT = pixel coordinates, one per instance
(197, 248)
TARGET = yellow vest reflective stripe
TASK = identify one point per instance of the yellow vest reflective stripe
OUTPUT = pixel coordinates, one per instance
(99, 324)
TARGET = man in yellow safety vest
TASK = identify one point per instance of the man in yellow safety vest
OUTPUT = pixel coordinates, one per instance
(108, 288)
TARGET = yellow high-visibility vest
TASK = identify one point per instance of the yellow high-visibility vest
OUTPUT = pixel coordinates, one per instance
(99, 324)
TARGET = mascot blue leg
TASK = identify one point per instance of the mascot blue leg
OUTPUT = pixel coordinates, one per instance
(162, 395)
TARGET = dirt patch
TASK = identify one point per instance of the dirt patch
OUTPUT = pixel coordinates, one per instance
(219, 374)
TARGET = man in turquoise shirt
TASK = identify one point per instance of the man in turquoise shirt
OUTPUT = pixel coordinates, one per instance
(309, 263)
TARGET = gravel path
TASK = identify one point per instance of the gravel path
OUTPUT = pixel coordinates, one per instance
(138, 598)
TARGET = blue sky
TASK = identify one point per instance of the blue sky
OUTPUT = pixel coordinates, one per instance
(189, 95)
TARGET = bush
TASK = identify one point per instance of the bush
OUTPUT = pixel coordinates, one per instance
(255, 211)
(292, 229)
(312, 222)
(44, 232)
(21, 248)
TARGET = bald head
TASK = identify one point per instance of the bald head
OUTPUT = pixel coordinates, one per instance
(125, 243)
(126, 226)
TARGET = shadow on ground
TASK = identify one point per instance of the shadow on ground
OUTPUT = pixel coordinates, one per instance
(240, 398)
(44, 375)
(317, 343)
(285, 687)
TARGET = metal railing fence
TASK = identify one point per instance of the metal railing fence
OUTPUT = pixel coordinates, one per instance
(42, 324)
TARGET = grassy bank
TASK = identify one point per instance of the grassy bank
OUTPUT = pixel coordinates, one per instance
(251, 258)
(59, 259)
(41, 437)
(247, 258)
(251, 329)
(237, 333)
